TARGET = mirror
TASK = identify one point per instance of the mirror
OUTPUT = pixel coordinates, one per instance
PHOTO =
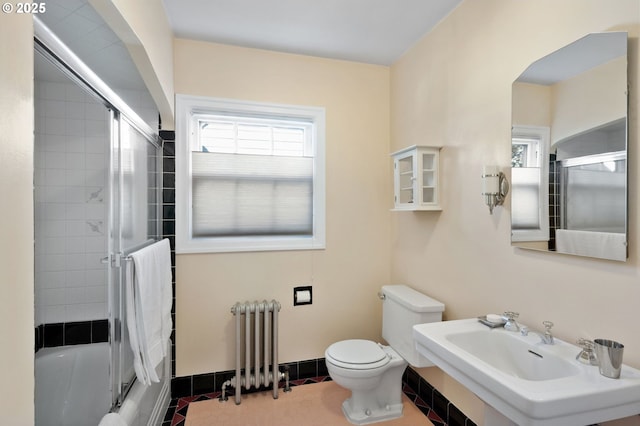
(569, 150)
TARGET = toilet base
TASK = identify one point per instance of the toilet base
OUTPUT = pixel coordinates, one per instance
(361, 416)
(376, 394)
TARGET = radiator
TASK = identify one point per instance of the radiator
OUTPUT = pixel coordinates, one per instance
(256, 333)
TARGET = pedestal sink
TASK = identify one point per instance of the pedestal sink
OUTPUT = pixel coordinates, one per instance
(524, 381)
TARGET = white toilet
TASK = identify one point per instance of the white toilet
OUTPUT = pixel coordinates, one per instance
(373, 372)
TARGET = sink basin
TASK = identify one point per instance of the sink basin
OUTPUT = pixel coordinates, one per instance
(514, 356)
(524, 381)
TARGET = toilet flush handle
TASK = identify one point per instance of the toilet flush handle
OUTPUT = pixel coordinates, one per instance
(381, 295)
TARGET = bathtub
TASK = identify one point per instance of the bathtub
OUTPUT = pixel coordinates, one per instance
(73, 389)
(72, 385)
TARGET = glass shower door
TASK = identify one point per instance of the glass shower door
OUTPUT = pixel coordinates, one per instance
(135, 177)
(71, 240)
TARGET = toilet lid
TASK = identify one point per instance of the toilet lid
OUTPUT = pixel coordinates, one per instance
(357, 354)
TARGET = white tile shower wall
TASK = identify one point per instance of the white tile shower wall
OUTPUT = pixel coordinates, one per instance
(71, 172)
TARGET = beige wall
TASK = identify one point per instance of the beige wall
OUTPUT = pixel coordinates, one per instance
(531, 105)
(16, 226)
(454, 88)
(347, 275)
(573, 113)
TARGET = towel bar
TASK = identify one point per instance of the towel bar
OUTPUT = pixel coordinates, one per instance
(116, 258)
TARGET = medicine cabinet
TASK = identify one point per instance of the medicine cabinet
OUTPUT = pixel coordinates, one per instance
(569, 175)
(416, 178)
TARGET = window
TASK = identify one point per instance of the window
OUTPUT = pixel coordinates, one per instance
(530, 183)
(249, 176)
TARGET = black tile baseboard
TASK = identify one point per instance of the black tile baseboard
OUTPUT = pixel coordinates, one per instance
(444, 408)
(211, 383)
(201, 384)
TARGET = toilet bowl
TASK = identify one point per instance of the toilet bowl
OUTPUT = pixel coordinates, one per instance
(372, 371)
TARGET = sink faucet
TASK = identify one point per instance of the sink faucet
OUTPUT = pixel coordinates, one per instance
(547, 337)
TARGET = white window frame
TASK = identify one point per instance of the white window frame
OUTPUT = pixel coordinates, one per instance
(540, 156)
(188, 108)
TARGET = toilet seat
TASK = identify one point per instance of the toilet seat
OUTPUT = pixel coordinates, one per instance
(357, 354)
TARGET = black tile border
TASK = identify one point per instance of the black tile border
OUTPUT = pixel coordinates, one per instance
(168, 225)
(209, 383)
(200, 384)
(444, 408)
(178, 407)
(77, 333)
(177, 411)
(71, 333)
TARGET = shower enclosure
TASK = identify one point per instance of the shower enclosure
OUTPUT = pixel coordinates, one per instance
(97, 199)
(593, 191)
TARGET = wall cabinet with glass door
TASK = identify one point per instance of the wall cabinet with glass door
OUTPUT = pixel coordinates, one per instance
(416, 178)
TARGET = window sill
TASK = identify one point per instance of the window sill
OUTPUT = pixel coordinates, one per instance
(249, 244)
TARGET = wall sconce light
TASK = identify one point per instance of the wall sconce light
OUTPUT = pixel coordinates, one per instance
(494, 186)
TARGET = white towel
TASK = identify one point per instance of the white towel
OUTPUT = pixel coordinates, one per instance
(605, 245)
(112, 419)
(149, 299)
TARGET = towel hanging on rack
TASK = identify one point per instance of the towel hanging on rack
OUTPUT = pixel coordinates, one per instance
(605, 245)
(149, 299)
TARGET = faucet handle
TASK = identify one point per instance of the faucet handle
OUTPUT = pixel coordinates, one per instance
(547, 325)
(510, 315)
(586, 344)
(586, 355)
(511, 324)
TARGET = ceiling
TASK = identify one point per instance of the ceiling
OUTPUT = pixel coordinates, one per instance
(369, 31)
(83, 30)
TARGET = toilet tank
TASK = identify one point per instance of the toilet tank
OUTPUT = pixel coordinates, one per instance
(402, 308)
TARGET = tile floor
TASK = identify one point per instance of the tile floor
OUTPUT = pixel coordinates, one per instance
(177, 411)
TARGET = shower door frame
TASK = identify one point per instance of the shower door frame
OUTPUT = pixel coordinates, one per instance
(118, 254)
(50, 46)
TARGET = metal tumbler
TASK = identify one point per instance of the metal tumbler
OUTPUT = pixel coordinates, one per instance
(609, 354)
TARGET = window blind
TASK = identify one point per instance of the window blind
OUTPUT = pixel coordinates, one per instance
(251, 195)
